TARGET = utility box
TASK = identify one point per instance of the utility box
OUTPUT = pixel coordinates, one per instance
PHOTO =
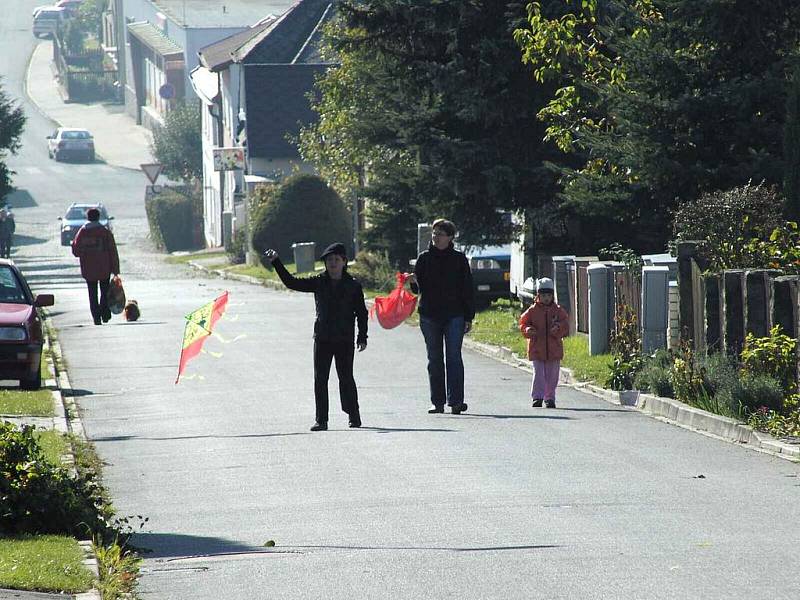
(599, 303)
(423, 237)
(304, 258)
(655, 308)
(522, 266)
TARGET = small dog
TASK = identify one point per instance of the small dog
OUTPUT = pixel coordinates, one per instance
(132, 310)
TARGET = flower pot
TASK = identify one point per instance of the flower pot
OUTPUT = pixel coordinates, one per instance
(629, 397)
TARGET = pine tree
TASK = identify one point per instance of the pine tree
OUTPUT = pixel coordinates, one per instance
(12, 122)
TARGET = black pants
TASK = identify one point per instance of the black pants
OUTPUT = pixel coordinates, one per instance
(5, 247)
(99, 309)
(342, 352)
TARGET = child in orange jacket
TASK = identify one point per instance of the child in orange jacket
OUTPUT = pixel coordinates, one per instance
(545, 323)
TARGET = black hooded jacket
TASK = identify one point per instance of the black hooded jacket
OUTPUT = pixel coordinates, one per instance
(338, 305)
(444, 280)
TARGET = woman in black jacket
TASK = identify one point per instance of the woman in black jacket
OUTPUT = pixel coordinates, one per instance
(339, 301)
(446, 308)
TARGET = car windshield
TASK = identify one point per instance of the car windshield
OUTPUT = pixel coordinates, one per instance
(77, 213)
(75, 135)
(10, 288)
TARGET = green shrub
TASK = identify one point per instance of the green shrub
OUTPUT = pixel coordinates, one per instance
(39, 497)
(755, 392)
(654, 376)
(303, 209)
(171, 217)
(237, 248)
(724, 220)
(626, 350)
(374, 271)
(773, 355)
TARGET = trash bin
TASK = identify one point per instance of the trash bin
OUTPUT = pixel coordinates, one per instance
(303, 256)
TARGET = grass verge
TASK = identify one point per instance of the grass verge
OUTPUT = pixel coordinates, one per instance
(17, 402)
(44, 563)
(54, 445)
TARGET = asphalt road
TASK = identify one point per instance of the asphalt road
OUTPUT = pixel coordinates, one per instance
(587, 501)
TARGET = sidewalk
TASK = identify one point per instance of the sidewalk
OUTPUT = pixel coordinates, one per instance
(119, 141)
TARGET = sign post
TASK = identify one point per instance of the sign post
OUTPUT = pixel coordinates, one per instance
(152, 171)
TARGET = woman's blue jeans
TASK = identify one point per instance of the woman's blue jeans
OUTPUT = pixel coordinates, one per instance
(443, 338)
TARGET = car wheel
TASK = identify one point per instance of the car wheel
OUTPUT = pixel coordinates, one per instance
(91, 157)
(33, 382)
(55, 156)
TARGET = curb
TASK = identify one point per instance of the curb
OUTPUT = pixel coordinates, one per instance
(665, 409)
(68, 420)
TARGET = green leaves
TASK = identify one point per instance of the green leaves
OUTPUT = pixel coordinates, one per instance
(178, 145)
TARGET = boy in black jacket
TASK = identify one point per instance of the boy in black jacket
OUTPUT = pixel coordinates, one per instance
(339, 301)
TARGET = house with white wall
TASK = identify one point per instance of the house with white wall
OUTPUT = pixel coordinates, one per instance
(254, 86)
(161, 41)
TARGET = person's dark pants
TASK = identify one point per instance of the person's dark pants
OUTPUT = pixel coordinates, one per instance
(99, 308)
(5, 247)
(443, 339)
(342, 353)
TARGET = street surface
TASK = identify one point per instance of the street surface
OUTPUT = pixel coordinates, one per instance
(586, 501)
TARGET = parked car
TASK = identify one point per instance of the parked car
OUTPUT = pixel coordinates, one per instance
(71, 6)
(21, 336)
(69, 142)
(490, 271)
(75, 217)
(47, 20)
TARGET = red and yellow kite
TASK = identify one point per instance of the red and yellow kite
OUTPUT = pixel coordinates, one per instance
(199, 325)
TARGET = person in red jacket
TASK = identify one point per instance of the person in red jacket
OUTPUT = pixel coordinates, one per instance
(94, 245)
(545, 323)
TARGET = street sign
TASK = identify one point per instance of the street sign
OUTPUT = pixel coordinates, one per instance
(228, 159)
(152, 170)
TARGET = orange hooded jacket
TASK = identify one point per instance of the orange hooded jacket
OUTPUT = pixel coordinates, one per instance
(550, 324)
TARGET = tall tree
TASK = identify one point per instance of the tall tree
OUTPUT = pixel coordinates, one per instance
(432, 100)
(12, 122)
(682, 97)
(178, 145)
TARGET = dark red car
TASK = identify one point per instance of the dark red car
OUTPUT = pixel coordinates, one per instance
(21, 336)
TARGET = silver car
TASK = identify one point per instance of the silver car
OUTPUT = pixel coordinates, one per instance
(76, 218)
(69, 142)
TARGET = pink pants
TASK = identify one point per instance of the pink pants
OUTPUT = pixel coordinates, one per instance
(545, 379)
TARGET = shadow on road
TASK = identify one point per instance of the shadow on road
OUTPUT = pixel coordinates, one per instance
(544, 416)
(172, 545)
(20, 198)
(437, 548)
(27, 240)
(125, 438)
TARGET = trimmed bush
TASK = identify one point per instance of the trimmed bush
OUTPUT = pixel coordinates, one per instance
(374, 271)
(654, 376)
(754, 392)
(303, 209)
(171, 218)
(37, 497)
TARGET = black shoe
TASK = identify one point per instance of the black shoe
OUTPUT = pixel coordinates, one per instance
(435, 409)
(457, 410)
(319, 427)
(98, 322)
(537, 402)
(550, 403)
(355, 424)
(106, 316)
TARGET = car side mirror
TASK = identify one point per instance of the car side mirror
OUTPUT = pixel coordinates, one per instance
(49, 137)
(44, 300)
(110, 218)
(60, 218)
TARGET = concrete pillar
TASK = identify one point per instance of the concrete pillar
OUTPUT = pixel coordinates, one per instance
(713, 321)
(599, 301)
(784, 304)
(757, 294)
(655, 308)
(733, 336)
(561, 266)
(674, 329)
(687, 251)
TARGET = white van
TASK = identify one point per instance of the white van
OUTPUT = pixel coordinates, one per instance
(48, 19)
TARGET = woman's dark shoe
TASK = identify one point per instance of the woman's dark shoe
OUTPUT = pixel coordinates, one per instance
(435, 409)
(550, 403)
(457, 410)
(537, 402)
(355, 424)
(98, 322)
(319, 427)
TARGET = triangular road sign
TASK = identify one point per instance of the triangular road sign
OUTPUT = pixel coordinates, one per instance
(152, 170)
